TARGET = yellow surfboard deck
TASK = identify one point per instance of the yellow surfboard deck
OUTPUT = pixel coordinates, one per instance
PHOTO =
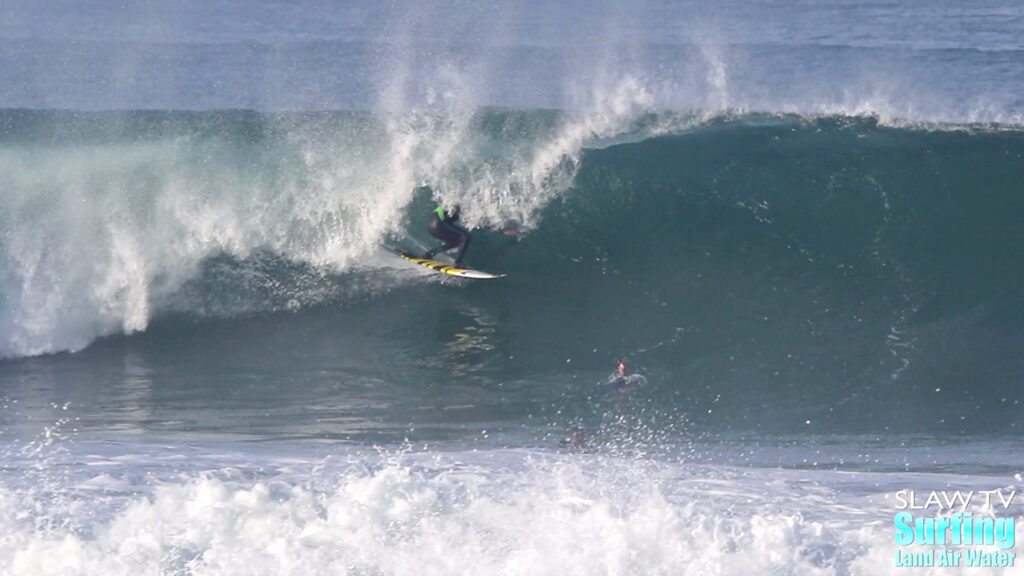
(445, 268)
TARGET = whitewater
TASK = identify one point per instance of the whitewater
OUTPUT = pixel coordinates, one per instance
(797, 223)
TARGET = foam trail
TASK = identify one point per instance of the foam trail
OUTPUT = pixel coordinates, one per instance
(500, 512)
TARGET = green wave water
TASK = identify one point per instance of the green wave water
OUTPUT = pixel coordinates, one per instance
(763, 272)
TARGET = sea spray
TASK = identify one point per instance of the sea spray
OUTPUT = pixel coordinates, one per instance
(400, 512)
(103, 230)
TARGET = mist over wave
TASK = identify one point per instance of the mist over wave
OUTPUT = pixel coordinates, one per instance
(936, 62)
(110, 214)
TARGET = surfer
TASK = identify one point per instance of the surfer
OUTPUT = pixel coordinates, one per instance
(443, 227)
(623, 384)
(577, 440)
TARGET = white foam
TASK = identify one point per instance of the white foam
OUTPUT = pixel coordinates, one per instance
(503, 512)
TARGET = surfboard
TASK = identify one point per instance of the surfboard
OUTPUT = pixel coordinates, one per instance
(625, 383)
(446, 268)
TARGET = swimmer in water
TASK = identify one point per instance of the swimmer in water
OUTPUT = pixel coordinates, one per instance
(624, 385)
(577, 440)
(619, 380)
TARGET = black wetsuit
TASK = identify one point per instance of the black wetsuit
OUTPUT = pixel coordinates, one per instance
(453, 235)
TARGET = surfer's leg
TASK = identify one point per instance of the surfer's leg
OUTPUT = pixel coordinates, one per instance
(438, 230)
(448, 245)
(463, 245)
(453, 236)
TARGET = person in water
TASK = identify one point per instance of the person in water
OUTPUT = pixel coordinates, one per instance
(578, 440)
(619, 380)
(443, 226)
(624, 384)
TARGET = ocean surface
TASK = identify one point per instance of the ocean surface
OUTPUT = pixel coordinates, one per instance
(799, 223)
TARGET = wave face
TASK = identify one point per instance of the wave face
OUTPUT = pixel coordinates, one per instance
(845, 272)
(833, 269)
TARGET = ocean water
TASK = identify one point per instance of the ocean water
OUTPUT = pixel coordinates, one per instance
(799, 222)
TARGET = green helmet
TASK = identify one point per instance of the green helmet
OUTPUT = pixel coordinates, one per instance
(443, 215)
